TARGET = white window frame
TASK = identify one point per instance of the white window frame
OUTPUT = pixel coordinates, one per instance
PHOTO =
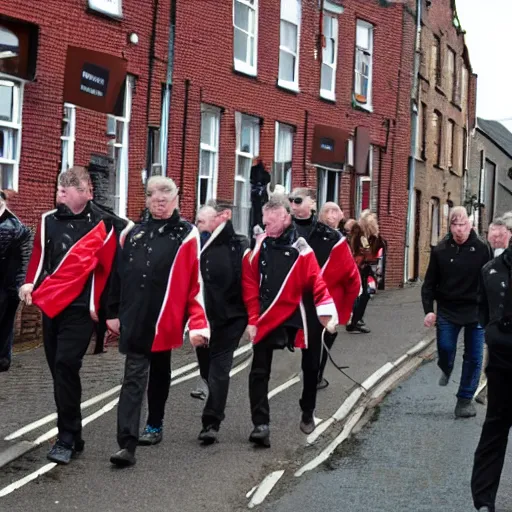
(122, 124)
(435, 221)
(330, 94)
(449, 144)
(323, 179)
(287, 173)
(369, 52)
(241, 223)
(244, 66)
(68, 141)
(213, 175)
(291, 12)
(359, 191)
(155, 134)
(12, 130)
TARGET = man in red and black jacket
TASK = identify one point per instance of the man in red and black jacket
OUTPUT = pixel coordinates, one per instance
(74, 248)
(282, 286)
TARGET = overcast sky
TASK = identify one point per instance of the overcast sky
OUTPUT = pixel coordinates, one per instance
(488, 26)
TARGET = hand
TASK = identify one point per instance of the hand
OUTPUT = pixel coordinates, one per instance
(198, 341)
(114, 326)
(430, 320)
(327, 323)
(25, 294)
(251, 332)
(94, 316)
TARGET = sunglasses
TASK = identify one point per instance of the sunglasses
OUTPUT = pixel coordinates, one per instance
(296, 200)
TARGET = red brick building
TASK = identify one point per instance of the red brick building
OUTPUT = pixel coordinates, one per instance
(320, 91)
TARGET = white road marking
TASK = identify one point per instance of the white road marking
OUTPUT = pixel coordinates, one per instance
(284, 386)
(265, 487)
(251, 492)
(240, 367)
(20, 483)
(98, 398)
(327, 452)
(378, 375)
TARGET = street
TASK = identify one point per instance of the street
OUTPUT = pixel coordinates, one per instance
(180, 474)
(413, 456)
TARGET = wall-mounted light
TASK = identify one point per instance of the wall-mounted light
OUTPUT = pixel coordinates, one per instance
(133, 38)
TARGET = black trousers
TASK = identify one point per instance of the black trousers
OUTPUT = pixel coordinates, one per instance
(216, 361)
(8, 306)
(137, 368)
(490, 453)
(66, 338)
(329, 341)
(363, 299)
(100, 329)
(259, 375)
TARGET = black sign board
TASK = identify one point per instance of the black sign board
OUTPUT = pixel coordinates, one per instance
(94, 80)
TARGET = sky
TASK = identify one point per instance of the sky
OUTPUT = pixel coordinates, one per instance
(488, 26)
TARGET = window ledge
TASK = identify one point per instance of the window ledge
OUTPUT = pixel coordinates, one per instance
(244, 74)
(364, 108)
(440, 91)
(288, 86)
(456, 105)
(244, 69)
(437, 166)
(329, 98)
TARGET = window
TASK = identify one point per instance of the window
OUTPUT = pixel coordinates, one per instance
(464, 149)
(489, 185)
(68, 137)
(155, 162)
(247, 148)
(464, 88)
(425, 57)
(245, 41)
(289, 46)
(437, 122)
(421, 132)
(435, 61)
(11, 100)
(118, 149)
(329, 57)
(450, 130)
(365, 194)
(209, 157)
(450, 74)
(328, 186)
(363, 71)
(283, 156)
(435, 221)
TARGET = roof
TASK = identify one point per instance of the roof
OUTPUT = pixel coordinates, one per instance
(497, 133)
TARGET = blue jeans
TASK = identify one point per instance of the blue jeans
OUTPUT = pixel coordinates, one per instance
(447, 334)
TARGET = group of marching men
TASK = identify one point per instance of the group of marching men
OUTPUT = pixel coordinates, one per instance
(287, 288)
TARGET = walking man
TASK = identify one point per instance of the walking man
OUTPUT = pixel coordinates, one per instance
(15, 246)
(156, 288)
(221, 270)
(339, 271)
(452, 281)
(74, 249)
(281, 283)
(495, 313)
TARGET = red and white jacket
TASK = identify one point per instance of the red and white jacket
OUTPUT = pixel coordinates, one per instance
(304, 276)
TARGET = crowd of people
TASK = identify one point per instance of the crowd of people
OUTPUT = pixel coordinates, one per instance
(151, 282)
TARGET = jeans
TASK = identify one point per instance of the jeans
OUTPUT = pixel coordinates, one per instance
(491, 450)
(362, 301)
(447, 334)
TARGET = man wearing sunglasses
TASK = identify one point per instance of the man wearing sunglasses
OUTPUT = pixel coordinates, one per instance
(339, 271)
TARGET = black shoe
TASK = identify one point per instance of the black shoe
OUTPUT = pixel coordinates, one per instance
(123, 458)
(260, 436)
(5, 364)
(209, 434)
(484, 509)
(79, 444)
(307, 423)
(61, 453)
(150, 436)
(322, 383)
(465, 408)
(358, 328)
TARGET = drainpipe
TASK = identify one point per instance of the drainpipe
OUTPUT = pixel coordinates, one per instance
(414, 133)
(166, 97)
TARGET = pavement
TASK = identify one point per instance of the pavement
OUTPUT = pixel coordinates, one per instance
(179, 474)
(412, 456)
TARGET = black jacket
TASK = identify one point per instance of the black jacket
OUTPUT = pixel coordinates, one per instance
(320, 237)
(495, 301)
(139, 283)
(15, 249)
(452, 279)
(221, 270)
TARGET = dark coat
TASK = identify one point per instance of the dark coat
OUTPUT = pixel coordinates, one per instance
(452, 279)
(221, 270)
(15, 248)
